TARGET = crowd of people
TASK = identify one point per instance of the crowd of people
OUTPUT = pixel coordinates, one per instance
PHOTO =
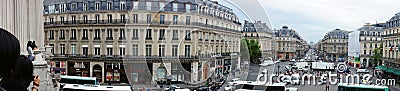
(16, 71)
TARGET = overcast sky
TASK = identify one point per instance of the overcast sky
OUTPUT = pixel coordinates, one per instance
(314, 18)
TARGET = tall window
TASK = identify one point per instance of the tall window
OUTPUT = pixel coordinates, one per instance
(62, 49)
(161, 50)
(73, 49)
(122, 34)
(187, 7)
(135, 18)
(122, 50)
(97, 6)
(51, 20)
(73, 7)
(135, 34)
(148, 34)
(85, 19)
(148, 50)
(97, 34)
(85, 50)
(62, 34)
(187, 20)
(365, 45)
(162, 6)
(109, 17)
(175, 19)
(122, 6)
(97, 50)
(73, 34)
(162, 34)
(109, 50)
(109, 34)
(135, 50)
(174, 50)
(109, 6)
(136, 5)
(174, 34)
(162, 18)
(84, 6)
(148, 18)
(52, 48)
(175, 7)
(148, 5)
(97, 18)
(122, 17)
(51, 34)
(62, 19)
(73, 18)
(187, 50)
(187, 35)
(84, 34)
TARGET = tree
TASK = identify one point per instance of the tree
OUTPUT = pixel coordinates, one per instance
(254, 50)
(377, 55)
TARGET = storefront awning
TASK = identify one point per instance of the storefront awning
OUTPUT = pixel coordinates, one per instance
(389, 70)
(381, 67)
(397, 73)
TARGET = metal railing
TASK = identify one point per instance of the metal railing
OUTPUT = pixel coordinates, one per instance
(128, 22)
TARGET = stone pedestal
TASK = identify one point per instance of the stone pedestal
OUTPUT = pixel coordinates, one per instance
(41, 68)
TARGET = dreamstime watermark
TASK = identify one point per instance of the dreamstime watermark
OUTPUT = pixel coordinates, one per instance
(326, 78)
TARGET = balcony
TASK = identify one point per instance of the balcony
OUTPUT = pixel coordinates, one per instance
(72, 38)
(85, 38)
(127, 21)
(122, 38)
(109, 38)
(135, 38)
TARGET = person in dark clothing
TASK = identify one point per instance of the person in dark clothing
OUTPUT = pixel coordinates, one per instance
(9, 52)
(10, 78)
(22, 78)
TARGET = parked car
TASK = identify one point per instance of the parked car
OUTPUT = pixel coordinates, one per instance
(296, 79)
(291, 89)
(362, 71)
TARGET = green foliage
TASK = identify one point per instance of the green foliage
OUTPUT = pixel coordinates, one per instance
(377, 55)
(253, 49)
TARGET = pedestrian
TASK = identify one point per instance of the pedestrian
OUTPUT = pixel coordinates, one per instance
(29, 48)
(327, 86)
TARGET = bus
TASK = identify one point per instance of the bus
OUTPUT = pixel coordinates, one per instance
(78, 87)
(77, 80)
(361, 87)
(256, 86)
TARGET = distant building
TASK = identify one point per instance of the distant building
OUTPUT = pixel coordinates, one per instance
(334, 45)
(370, 38)
(289, 44)
(263, 34)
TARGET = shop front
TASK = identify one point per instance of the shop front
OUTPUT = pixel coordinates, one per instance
(97, 71)
(58, 67)
(76, 68)
(115, 73)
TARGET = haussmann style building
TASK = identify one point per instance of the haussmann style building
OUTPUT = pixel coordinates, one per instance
(334, 45)
(142, 41)
(289, 44)
(263, 34)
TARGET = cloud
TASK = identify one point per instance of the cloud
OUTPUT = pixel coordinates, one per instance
(314, 18)
(310, 17)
